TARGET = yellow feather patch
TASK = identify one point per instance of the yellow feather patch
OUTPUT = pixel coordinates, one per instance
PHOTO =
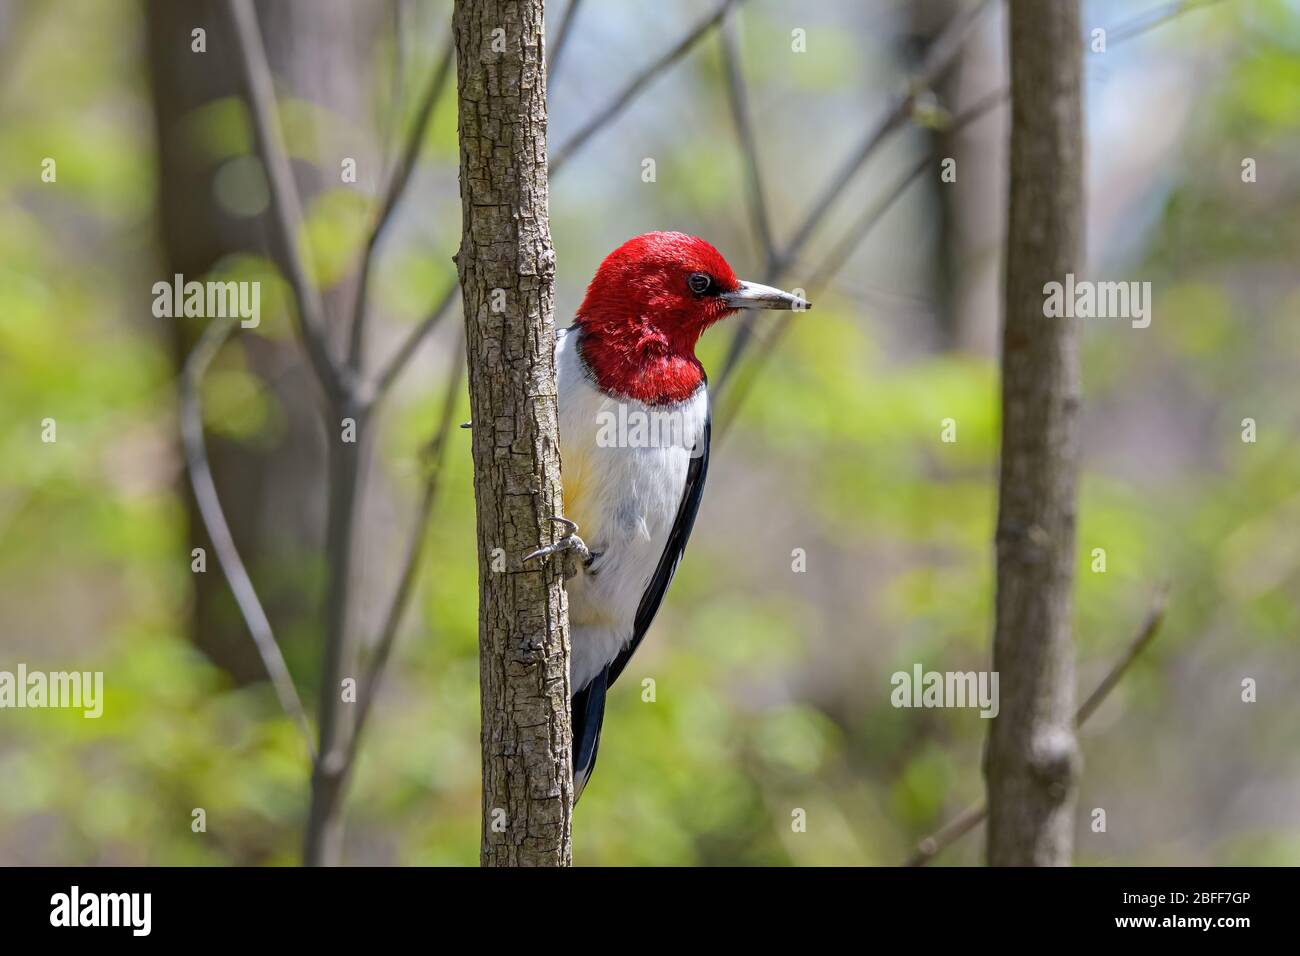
(578, 505)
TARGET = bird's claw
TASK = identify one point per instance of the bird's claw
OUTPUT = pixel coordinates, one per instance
(570, 542)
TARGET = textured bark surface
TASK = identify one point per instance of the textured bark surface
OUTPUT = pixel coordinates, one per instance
(507, 267)
(1032, 760)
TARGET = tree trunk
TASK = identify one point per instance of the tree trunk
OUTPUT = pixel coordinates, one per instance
(507, 267)
(970, 213)
(272, 488)
(1032, 758)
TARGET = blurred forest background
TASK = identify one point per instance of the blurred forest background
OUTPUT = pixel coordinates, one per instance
(773, 687)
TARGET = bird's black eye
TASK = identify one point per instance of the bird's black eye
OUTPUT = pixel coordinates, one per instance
(700, 282)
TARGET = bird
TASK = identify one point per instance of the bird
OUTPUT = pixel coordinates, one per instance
(634, 429)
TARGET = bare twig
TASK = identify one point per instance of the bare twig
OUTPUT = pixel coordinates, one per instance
(214, 518)
(940, 58)
(562, 35)
(836, 259)
(396, 186)
(566, 150)
(402, 356)
(1152, 19)
(948, 834)
(930, 847)
(1155, 617)
(838, 256)
(394, 114)
(323, 843)
(435, 453)
(738, 97)
(285, 204)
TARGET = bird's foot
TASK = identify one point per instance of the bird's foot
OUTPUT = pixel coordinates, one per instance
(570, 542)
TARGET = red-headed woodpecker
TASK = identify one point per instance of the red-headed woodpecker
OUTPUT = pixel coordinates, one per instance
(634, 447)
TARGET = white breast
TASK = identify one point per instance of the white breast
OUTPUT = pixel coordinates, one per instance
(624, 467)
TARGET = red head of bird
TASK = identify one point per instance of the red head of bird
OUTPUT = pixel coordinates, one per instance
(649, 303)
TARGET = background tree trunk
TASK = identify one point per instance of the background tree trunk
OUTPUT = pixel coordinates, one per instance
(970, 215)
(507, 268)
(272, 487)
(1032, 758)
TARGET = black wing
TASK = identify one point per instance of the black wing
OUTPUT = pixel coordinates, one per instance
(673, 551)
(587, 713)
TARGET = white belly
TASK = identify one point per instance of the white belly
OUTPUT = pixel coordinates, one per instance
(624, 467)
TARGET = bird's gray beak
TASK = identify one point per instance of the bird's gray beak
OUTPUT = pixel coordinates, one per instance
(751, 295)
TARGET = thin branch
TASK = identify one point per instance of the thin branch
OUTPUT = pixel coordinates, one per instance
(561, 39)
(738, 97)
(323, 841)
(940, 57)
(1155, 616)
(948, 834)
(435, 452)
(214, 519)
(966, 821)
(393, 194)
(566, 150)
(396, 95)
(838, 256)
(1149, 21)
(412, 342)
(285, 205)
(856, 234)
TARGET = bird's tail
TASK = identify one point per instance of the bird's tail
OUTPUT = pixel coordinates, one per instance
(587, 713)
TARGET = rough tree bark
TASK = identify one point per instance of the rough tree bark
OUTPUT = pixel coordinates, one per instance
(507, 267)
(1032, 760)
